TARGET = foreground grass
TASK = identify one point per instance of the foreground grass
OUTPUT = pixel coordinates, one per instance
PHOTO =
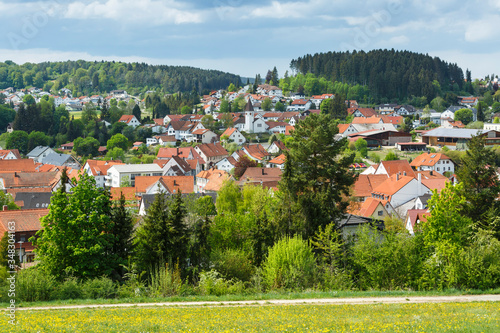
(433, 317)
(276, 295)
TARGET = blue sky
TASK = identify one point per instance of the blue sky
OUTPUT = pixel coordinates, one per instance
(247, 37)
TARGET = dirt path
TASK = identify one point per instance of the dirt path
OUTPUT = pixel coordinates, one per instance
(319, 301)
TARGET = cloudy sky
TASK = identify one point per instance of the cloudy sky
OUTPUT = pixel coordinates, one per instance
(247, 37)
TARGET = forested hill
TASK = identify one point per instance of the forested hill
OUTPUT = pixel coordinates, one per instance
(387, 73)
(87, 77)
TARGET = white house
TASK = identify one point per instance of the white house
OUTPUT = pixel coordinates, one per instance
(130, 120)
(234, 135)
(226, 164)
(299, 105)
(399, 189)
(437, 162)
(119, 173)
(39, 153)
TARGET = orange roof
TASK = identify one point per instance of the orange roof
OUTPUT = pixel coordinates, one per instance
(98, 167)
(281, 159)
(364, 185)
(343, 127)
(364, 120)
(256, 151)
(5, 152)
(216, 180)
(158, 121)
(126, 118)
(435, 184)
(257, 174)
(367, 112)
(183, 153)
(128, 192)
(25, 220)
(229, 131)
(22, 165)
(392, 185)
(288, 129)
(173, 183)
(369, 206)
(398, 166)
(200, 131)
(428, 159)
(396, 120)
(212, 150)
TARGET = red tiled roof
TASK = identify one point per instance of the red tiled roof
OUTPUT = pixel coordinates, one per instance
(392, 185)
(229, 131)
(212, 150)
(428, 159)
(21, 165)
(367, 112)
(25, 220)
(364, 185)
(281, 159)
(256, 151)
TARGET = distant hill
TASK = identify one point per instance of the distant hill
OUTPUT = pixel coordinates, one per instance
(388, 73)
(87, 77)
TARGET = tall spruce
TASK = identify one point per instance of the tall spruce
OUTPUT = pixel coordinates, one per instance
(481, 184)
(122, 230)
(317, 175)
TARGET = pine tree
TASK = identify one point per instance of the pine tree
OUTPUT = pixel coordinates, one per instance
(481, 183)
(122, 230)
(136, 111)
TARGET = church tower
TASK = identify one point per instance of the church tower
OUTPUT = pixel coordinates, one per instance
(249, 117)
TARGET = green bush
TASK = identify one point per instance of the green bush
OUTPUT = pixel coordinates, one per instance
(374, 157)
(233, 264)
(99, 288)
(290, 265)
(34, 284)
(71, 288)
(165, 281)
(212, 283)
(388, 260)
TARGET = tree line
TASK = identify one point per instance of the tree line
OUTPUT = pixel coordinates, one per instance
(389, 74)
(94, 77)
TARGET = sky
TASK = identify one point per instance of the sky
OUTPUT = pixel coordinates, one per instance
(247, 37)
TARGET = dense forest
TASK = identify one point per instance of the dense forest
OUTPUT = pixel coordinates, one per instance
(390, 74)
(86, 77)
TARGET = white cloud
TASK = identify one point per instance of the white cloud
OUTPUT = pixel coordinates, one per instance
(482, 30)
(397, 40)
(146, 11)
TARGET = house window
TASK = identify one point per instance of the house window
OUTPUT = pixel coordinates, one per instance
(380, 213)
(259, 125)
(437, 169)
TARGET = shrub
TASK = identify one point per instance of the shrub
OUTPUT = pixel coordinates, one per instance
(34, 284)
(233, 264)
(69, 289)
(212, 283)
(290, 265)
(387, 260)
(99, 288)
(165, 281)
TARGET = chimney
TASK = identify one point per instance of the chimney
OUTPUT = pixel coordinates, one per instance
(5, 207)
(419, 184)
(431, 173)
(397, 176)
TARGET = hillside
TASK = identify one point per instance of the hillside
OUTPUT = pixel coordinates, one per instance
(387, 73)
(87, 77)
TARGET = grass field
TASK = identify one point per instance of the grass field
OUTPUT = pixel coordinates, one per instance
(430, 317)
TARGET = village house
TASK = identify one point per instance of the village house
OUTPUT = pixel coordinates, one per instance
(130, 120)
(167, 184)
(233, 135)
(117, 175)
(226, 164)
(299, 105)
(436, 162)
(204, 136)
(211, 153)
(25, 224)
(9, 154)
(210, 180)
(99, 170)
(277, 162)
(39, 153)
